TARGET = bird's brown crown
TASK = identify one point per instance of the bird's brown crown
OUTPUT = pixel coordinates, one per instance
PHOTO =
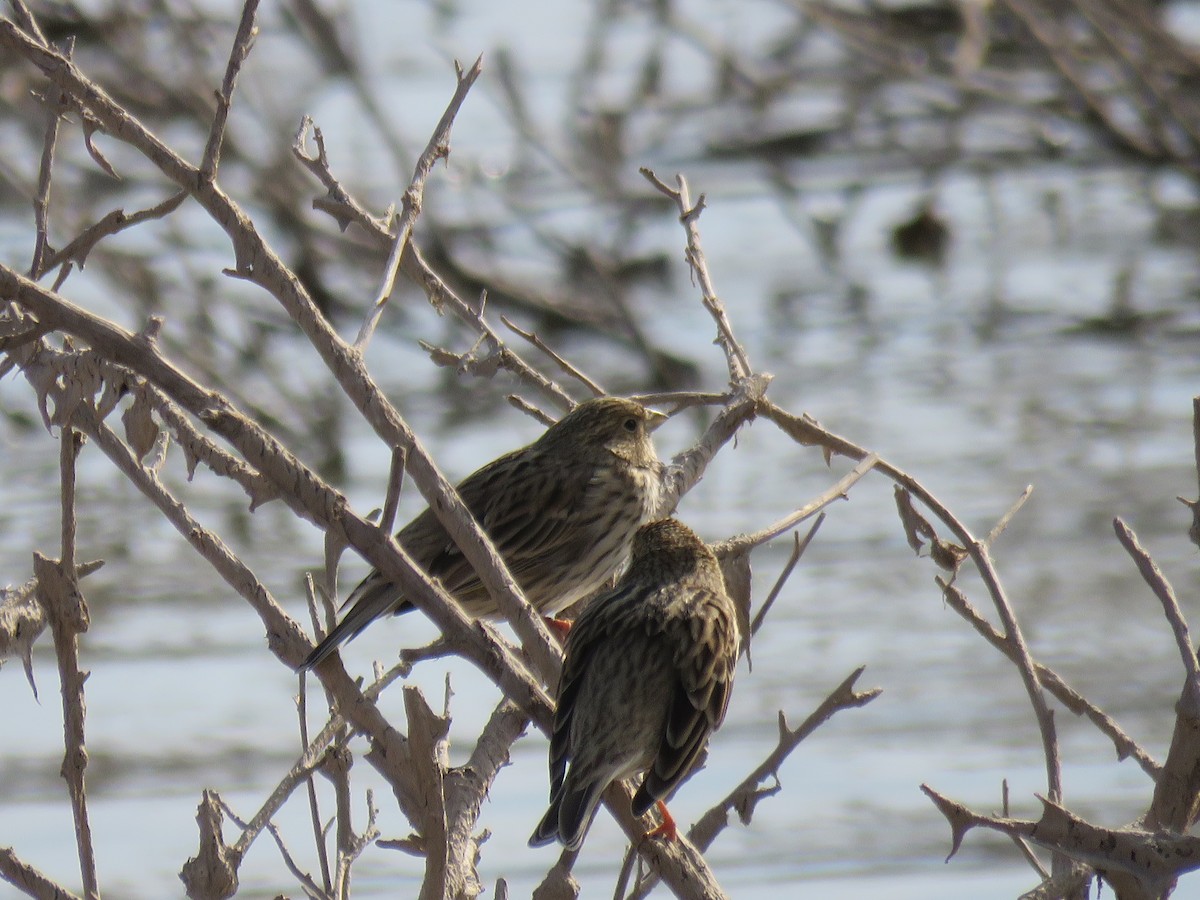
(668, 542)
(619, 426)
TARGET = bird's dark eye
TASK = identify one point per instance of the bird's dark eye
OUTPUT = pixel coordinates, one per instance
(631, 424)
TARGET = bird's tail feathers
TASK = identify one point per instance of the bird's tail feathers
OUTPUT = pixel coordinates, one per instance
(375, 596)
(547, 829)
(646, 797)
(569, 816)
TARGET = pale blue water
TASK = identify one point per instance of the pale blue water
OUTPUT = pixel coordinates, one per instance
(968, 379)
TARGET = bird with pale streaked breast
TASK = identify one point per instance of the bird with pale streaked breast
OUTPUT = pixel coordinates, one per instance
(646, 678)
(561, 512)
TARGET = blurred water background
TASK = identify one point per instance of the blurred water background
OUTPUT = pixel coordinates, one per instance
(981, 287)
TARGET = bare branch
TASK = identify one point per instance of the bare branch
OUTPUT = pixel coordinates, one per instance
(1052, 682)
(337, 202)
(797, 551)
(437, 148)
(838, 491)
(1154, 860)
(283, 635)
(258, 262)
(199, 448)
(212, 873)
(391, 503)
(427, 735)
(467, 786)
(26, 878)
(1000, 525)
(242, 42)
(67, 612)
(808, 432)
(303, 879)
(687, 466)
(318, 501)
(41, 203)
(746, 795)
(342, 206)
(1162, 589)
(1176, 802)
(81, 246)
(735, 355)
(353, 847)
(335, 545)
(159, 403)
(561, 362)
(680, 400)
(1194, 505)
(479, 642)
(297, 775)
(23, 619)
(305, 766)
(530, 410)
(26, 21)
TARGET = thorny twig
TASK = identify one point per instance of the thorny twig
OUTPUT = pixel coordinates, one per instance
(676, 864)
(1176, 801)
(303, 770)
(801, 544)
(25, 877)
(78, 249)
(41, 203)
(839, 491)
(340, 204)
(1153, 859)
(744, 798)
(735, 355)
(242, 43)
(560, 361)
(807, 431)
(257, 262)
(1052, 682)
(23, 619)
(1166, 595)
(437, 148)
(67, 612)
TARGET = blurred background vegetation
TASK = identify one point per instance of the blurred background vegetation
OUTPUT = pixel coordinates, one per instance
(963, 234)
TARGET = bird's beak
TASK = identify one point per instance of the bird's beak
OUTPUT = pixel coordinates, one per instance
(654, 418)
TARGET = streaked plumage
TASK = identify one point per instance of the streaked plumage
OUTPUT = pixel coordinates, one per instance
(646, 678)
(561, 511)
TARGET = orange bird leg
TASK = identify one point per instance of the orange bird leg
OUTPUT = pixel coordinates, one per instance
(667, 830)
(560, 628)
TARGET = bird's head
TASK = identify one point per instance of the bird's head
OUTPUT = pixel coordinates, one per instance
(609, 424)
(671, 544)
